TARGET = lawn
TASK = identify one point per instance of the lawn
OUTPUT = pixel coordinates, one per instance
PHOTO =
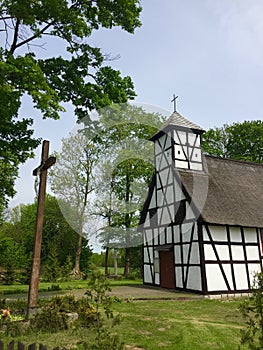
(171, 325)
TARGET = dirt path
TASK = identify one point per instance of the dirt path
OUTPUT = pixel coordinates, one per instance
(139, 292)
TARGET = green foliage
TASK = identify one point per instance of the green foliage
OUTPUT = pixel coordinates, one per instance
(241, 141)
(55, 315)
(80, 77)
(52, 269)
(98, 295)
(252, 311)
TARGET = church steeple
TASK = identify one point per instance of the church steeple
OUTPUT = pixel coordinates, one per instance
(178, 141)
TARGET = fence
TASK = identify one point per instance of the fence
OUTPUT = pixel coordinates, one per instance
(21, 346)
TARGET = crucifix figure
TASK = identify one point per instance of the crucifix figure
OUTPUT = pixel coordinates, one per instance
(174, 101)
(41, 171)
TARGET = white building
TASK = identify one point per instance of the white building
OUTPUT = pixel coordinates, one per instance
(202, 222)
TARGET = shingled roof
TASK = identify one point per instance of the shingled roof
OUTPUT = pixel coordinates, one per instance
(229, 193)
(179, 121)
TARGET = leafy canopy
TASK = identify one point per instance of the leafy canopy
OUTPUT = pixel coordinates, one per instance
(241, 141)
(80, 77)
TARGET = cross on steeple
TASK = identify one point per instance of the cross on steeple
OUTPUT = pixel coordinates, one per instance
(174, 101)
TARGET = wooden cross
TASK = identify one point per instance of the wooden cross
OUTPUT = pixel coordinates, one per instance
(174, 101)
(46, 162)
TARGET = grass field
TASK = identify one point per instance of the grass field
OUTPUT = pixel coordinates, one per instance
(158, 324)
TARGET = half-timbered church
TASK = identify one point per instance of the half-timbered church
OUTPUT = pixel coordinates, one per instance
(202, 222)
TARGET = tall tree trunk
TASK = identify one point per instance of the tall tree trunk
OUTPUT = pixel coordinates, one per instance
(115, 263)
(127, 266)
(107, 261)
(76, 269)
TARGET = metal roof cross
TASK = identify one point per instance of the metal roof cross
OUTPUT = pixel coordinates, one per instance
(174, 101)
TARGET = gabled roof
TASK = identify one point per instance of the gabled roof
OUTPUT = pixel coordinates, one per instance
(176, 120)
(231, 193)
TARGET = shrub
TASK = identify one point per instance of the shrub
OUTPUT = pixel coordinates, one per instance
(252, 311)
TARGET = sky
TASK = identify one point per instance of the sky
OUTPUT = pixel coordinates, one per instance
(208, 52)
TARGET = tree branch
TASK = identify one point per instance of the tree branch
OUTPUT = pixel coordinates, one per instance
(13, 46)
(33, 36)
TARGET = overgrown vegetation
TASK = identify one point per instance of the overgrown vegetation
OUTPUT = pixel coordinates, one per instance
(252, 311)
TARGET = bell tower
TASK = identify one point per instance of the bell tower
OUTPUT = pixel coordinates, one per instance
(178, 142)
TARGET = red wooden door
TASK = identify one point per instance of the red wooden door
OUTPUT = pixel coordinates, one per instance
(167, 273)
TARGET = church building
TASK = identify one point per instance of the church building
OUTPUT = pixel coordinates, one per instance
(202, 222)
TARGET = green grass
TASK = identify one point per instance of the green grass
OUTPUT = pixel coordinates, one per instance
(6, 290)
(169, 325)
(188, 325)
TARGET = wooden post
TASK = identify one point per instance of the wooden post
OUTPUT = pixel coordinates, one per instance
(46, 162)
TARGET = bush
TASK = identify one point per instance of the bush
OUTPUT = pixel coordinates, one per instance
(252, 311)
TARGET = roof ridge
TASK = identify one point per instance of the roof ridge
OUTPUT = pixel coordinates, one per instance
(234, 160)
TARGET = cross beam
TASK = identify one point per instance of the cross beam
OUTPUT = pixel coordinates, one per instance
(174, 101)
(46, 163)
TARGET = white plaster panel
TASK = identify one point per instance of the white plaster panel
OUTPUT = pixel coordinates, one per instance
(151, 254)
(149, 236)
(252, 253)
(175, 136)
(179, 153)
(191, 138)
(185, 252)
(195, 256)
(176, 234)
(169, 235)
(215, 280)
(228, 273)
(158, 161)
(218, 233)
(209, 252)
(155, 236)
(194, 278)
(165, 217)
(205, 235)
(153, 201)
(196, 154)
(253, 270)
(178, 277)
(157, 148)
(178, 192)
(170, 195)
(250, 235)
(237, 252)
(162, 237)
(177, 254)
(235, 234)
(147, 220)
(156, 253)
(189, 212)
(186, 231)
(162, 140)
(164, 175)
(165, 161)
(160, 198)
(196, 166)
(146, 256)
(182, 137)
(157, 278)
(147, 274)
(181, 164)
(241, 276)
(168, 140)
(223, 252)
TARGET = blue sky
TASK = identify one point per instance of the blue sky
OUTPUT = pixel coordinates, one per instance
(209, 52)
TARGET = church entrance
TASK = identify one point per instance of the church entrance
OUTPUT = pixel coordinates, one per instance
(167, 275)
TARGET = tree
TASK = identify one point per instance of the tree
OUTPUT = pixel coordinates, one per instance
(125, 135)
(80, 77)
(241, 141)
(72, 182)
(59, 239)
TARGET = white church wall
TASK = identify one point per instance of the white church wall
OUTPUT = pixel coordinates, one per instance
(147, 274)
